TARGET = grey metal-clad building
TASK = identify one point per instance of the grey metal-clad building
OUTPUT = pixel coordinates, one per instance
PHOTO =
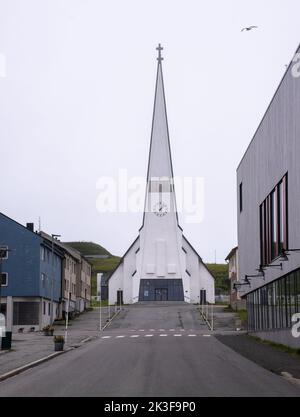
(268, 184)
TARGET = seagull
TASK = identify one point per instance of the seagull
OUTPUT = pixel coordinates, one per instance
(249, 28)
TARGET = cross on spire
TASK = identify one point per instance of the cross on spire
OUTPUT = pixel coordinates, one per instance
(159, 49)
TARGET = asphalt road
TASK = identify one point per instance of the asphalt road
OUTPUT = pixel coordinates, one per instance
(150, 352)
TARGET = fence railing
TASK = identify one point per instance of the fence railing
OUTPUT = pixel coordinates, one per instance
(207, 313)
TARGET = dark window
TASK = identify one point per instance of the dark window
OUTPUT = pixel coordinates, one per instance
(49, 309)
(43, 277)
(274, 223)
(44, 307)
(241, 196)
(3, 252)
(4, 279)
(26, 313)
(273, 306)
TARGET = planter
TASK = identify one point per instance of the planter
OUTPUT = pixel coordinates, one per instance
(48, 332)
(5, 342)
(58, 346)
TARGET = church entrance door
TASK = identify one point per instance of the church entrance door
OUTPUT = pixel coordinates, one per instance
(161, 290)
(161, 294)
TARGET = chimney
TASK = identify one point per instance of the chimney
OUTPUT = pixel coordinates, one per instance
(30, 226)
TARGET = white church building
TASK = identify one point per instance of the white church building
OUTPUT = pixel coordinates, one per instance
(161, 265)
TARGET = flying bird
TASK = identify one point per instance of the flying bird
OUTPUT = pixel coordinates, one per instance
(249, 28)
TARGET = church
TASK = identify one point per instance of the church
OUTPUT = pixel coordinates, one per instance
(160, 265)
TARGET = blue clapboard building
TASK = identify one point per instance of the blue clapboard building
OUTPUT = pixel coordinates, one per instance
(29, 276)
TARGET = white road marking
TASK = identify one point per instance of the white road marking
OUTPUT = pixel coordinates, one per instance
(141, 330)
(206, 335)
(191, 335)
(135, 335)
(152, 330)
(171, 330)
(119, 337)
(163, 335)
(177, 335)
(148, 335)
(105, 337)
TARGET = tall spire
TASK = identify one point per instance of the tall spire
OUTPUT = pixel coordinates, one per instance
(160, 163)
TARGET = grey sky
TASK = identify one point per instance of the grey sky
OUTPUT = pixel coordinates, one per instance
(77, 104)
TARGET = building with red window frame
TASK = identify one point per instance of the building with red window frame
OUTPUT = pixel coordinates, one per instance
(268, 184)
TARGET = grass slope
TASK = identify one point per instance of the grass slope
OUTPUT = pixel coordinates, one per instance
(88, 248)
(220, 272)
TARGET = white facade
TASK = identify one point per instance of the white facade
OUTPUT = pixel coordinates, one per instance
(160, 265)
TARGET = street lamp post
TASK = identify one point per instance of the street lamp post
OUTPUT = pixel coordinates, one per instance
(67, 318)
(52, 280)
(120, 298)
(100, 312)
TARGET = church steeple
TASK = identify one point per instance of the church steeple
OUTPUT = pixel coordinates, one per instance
(160, 265)
(160, 162)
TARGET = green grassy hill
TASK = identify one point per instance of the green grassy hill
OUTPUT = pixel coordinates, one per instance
(88, 248)
(220, 272)
(98, 265)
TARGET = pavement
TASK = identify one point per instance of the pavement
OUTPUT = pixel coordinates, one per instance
(31, 347)
(153, 351)
(265, 355)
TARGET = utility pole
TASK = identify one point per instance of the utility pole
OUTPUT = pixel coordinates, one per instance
(52, 280)
(100, 312)
(67, 318)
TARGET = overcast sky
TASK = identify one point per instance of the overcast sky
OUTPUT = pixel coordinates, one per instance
(76, 104)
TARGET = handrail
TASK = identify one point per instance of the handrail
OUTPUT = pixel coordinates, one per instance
(205, 314)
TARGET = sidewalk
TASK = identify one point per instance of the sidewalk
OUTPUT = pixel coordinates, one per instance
(225, 320)
(30, 347)
(267, 356)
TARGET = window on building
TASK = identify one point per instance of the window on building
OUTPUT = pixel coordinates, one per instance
(3, 252)
(44, 307)
(25, 313)
(241, 196)
(49, 309)
(4, 279)
(273, 216)
(273, 306)
(43, 278)
(43, 256)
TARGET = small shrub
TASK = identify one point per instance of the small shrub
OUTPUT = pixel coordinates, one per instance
(59, 339)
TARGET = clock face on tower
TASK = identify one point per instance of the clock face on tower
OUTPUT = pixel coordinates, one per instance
(160, 209)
